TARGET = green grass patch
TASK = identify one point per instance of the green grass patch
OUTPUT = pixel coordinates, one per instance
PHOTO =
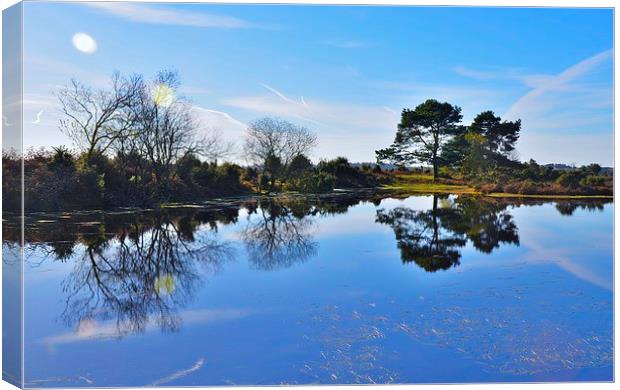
(416, 183)
(437, 188)
(423, 183)
(414, 177)
(507, 195)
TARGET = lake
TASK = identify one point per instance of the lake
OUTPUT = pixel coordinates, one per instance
(342, 289)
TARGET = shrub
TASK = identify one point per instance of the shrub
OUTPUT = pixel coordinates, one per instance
(569, 179)
(299, 165)
(314, 183)
(346, 176)
(593, 181)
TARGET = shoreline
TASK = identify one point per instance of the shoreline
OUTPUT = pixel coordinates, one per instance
(466, 190)
(229, 201)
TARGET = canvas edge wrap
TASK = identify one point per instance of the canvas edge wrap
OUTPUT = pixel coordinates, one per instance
(12, 135)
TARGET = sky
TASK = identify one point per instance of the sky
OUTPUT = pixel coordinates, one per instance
(346, 72)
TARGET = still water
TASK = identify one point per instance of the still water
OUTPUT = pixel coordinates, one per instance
(350, 288)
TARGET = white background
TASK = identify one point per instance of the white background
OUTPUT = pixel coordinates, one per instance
(526, 3)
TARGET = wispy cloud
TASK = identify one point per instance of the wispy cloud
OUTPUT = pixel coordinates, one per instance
(281, 95)
(558, 109)
(214, 119)
(531, 80)
(89, 329)
(327, 114)
(539, 251)
(562, 82)
(573, 148)
(228, 128)
(142, 13)
(348, 44)
(472, 99)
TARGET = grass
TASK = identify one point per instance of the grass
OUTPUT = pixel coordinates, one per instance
(419, 183)
(422, 183)
(437, 188)
(507, 195)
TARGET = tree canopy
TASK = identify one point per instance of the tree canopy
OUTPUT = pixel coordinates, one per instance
(422, 133)
(501, 135)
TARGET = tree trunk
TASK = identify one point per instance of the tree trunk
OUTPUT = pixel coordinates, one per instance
(435, 162)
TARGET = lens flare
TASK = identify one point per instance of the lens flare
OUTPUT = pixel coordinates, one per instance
(84, 43)
(164, 285)
(163, 95)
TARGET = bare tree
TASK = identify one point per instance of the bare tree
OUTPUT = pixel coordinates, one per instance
(94, 119)
(273, 137)
(147, 125)
(164, 129)
(277, 238)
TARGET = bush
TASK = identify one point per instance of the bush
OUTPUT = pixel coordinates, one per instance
(569, 179)
(214, 179)
(593, 181)
(299, 165)
(313, 183)
(346, 176)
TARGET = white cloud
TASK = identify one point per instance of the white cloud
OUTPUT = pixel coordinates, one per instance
(530, 80)
(472, 100)
(224, 126)
(489, 74)
(562, 82)
(329, 115)
(280, 94)
(42, 73)
(89, 329)
(567, 117)
(139, 12)
(230, 127)
(536, 239)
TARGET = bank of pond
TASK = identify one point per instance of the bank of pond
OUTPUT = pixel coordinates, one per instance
(60, 181)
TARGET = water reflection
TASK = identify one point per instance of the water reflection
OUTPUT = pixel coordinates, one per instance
(145, 273)
(134, 269)
(280, 235)
(131, 270)
(422, 237)
(567, 208)
(432, 238)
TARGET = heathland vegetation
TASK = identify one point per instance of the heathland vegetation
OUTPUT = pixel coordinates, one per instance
(480, 157)
(137, 143)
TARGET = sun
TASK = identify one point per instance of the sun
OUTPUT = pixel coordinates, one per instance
(84, 43)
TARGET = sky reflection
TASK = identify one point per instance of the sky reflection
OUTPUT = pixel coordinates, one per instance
(342, 289)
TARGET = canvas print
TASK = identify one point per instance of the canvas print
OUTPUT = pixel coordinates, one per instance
(205, 194)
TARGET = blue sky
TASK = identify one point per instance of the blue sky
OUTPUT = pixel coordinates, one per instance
(346, 72)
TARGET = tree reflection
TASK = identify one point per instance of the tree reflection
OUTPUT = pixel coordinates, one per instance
(567, 208)
(433, 238)
(486, 223)
(140, 272)
(144, 276)
(422, 238)
(280, 230)
(279, 234)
